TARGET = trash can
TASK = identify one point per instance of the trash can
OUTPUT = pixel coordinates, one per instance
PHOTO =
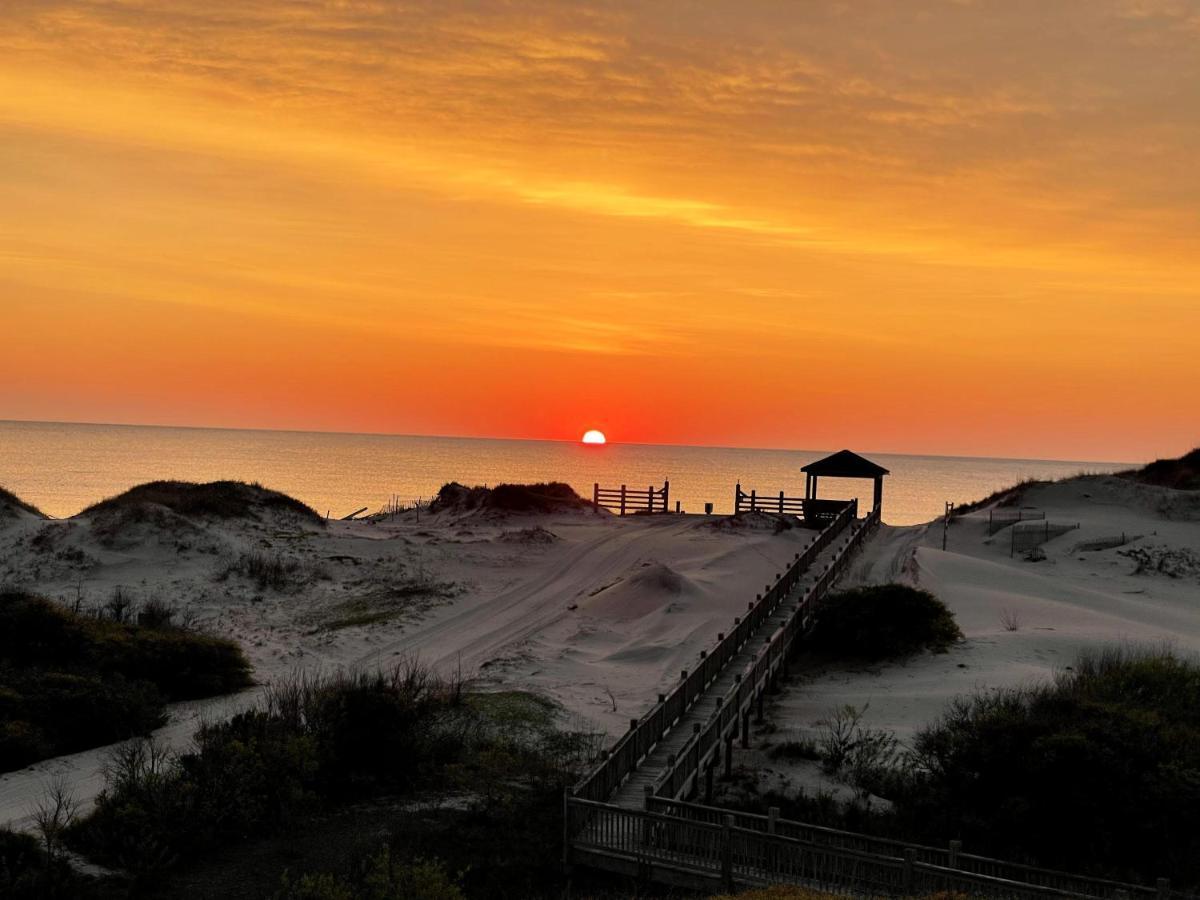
(708, 509)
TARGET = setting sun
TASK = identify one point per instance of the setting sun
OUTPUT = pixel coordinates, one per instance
(594, 437)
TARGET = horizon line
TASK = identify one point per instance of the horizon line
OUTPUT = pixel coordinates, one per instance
(459, 437)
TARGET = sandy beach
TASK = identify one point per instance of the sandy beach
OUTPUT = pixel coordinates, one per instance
(599, 613)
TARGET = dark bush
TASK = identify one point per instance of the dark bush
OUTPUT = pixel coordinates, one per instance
(1182, 474)
(316, 744)
(69, 682)
(1098, 771)
(546, 497)
(882, 622)
(27, 872)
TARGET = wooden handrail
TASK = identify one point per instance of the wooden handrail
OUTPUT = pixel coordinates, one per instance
(634, 745)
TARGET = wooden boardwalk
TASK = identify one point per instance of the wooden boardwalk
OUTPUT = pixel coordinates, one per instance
(632, 792)
(632, 815)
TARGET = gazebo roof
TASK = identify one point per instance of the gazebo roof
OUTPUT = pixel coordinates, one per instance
(845, 464)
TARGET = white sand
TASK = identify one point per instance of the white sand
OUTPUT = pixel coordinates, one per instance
(597, 612)
(603, 613)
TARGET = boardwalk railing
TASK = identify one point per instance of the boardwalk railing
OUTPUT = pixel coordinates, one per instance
(625, 499)
(645, 733)
(731, 712)
(687, 843)
(809, 509)
(964, 866)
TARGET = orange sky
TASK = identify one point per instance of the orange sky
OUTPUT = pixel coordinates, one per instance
(940, 227)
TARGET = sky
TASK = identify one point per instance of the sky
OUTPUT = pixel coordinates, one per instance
(937, 226)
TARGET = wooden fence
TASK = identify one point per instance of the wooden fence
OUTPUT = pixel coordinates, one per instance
(965, 866)
(645, 733)
(625, 500)
(689, 844)
(1002, 517)
(1027, 535)
(809, 509)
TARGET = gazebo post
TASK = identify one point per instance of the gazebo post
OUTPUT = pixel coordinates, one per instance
(878, 491)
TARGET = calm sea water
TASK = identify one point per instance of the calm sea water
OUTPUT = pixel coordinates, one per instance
(61, 468)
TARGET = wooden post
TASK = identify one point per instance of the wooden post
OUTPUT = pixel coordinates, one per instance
(622, 499)
(667, 493)
(727, 851)
(650, 499)
(737, 498)
(753, 499)
(596, 497)
(910, 857)
(955, 849)
(566, 857)
(1164, 888)
(781, 503)
(647, 793)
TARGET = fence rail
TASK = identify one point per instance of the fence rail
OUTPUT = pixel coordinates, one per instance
(1001, 517)
(732, 849)
(626, 500)
(1026, 536)
(701, 753)
(810, 509)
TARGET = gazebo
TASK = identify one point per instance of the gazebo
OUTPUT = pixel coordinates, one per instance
(843, 464)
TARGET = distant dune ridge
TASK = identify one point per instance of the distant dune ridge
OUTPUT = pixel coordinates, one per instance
(13, 507)
(216, 499)
(1182, 474)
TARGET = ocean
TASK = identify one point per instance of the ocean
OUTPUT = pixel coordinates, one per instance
(62, 468)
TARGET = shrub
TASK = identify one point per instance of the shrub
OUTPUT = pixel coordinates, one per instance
(68, 682)
(883, 621)
(381, 877)
(1099, 770)
(1182, 474)
(315, 742)
(545, 497)
(28, 873)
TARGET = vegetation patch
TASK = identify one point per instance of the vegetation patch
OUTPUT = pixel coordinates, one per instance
(883, 622)
(28, 871)
(1182, 474)
(318, 744)
(11, 505)
(546, 497)
(213, 500)
(1099, 770)
(70, 681)
(1005, 497)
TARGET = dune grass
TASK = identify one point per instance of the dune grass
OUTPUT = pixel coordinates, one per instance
(1182, 473)
(69, 681)
(10, 501)
(546, 497)
(216, 499)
